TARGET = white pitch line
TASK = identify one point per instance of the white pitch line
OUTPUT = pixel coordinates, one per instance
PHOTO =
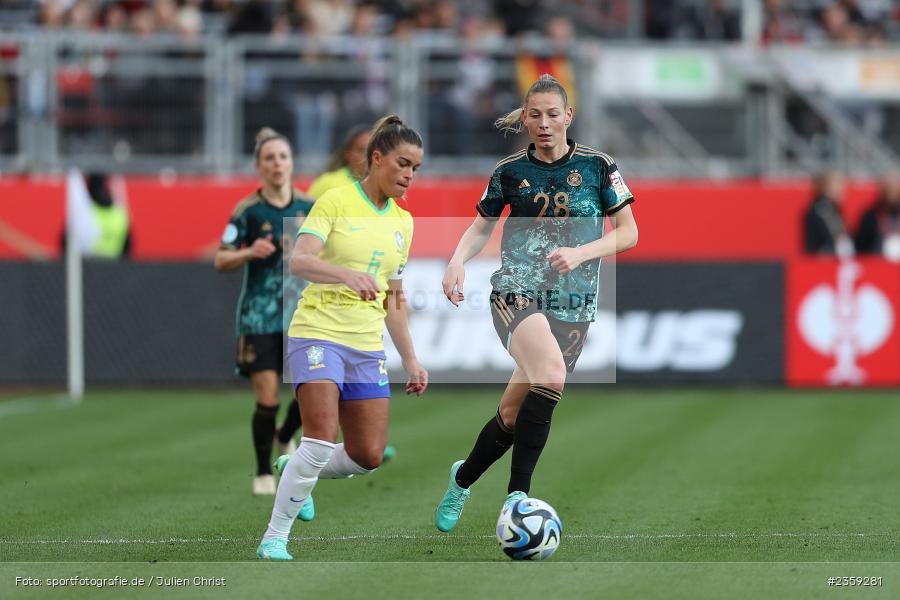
(34, 403)
(390, 537)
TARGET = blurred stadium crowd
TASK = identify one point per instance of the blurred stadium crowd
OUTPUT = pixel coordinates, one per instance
(849, 22)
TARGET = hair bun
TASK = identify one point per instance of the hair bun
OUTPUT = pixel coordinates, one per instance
(266, 133)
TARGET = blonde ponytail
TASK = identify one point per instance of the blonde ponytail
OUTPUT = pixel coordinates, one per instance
(511, 122)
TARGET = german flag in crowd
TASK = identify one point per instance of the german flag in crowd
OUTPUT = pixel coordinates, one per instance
(530, 67)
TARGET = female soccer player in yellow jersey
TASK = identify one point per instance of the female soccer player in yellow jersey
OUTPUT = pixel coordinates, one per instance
(352, 249)
(545, 292)
(347, 164)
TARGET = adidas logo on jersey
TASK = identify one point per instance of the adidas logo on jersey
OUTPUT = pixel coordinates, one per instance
(524, 184)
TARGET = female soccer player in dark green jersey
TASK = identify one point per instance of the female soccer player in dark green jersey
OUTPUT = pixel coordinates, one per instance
(254, 239)
(545, 292)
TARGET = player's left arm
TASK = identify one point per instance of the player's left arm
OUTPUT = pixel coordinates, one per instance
(622, 237)
(397, 321)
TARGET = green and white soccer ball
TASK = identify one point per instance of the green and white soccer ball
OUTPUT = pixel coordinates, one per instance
(529, 529)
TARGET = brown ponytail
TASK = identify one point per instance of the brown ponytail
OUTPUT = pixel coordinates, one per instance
(388, 133)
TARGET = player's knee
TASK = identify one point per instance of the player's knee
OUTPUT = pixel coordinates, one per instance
(556, 384)
(267, 397)
(368, 457)
(508, 416)
(268, 400)
(552, 375)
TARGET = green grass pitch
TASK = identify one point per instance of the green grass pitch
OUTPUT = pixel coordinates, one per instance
(689, 493)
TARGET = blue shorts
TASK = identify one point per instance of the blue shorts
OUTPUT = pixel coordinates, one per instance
(359, 375)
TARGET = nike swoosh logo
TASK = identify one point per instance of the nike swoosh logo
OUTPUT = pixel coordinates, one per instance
(292, 499)
(383, 382)
(352, 228)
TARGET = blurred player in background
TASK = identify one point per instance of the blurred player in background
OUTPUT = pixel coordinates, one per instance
(347, 164)
(254, 240)
(545, 293)
(352, 249)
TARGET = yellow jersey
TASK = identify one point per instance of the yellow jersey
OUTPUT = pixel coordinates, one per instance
(359, 236)
(330, 180)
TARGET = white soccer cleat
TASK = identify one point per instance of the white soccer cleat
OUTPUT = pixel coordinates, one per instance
(264, 485)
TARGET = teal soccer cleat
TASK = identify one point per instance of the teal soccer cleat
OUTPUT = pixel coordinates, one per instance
(308, 510)
(280, 463)
(512, 498)
(275, 549)
(450, 509)
(389, 453)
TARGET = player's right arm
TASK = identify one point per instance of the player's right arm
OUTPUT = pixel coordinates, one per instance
(475, 238)
(228, 259)
(305, 263)
(470, 245)
(236, 247)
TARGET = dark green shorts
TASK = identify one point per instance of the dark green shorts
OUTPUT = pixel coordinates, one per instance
(261, 352)
(510, 309)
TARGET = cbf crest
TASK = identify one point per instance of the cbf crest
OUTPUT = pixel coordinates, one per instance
(315, 356)
(574, 179)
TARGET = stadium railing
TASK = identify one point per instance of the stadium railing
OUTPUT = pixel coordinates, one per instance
(124, 104)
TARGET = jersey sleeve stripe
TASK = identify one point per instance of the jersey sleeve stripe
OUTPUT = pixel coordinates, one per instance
(583, 148)
(614, 209)
(511, 158)
(243, 205)
(606, 157)
(313, 232)
(484, 214)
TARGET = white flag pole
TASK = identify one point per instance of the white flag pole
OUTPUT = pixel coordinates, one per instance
(76, 194)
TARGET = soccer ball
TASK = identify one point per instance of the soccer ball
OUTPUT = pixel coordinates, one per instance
(529, 530)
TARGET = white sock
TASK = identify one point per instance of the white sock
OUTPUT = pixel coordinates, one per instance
(297, 481)
(340, 465)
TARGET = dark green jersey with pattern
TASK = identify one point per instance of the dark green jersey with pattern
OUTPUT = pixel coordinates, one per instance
(553, 205)
(260, 308)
